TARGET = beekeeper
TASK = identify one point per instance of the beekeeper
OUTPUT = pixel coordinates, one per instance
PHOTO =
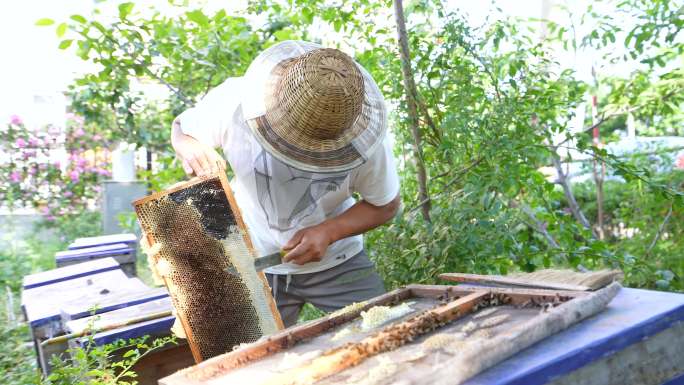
(304, 131)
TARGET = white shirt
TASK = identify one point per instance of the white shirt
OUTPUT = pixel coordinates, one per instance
(277, 200)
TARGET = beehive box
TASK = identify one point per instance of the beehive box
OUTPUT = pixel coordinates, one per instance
(416, 335)
(79, 243)
(43, 305)
(151, 318)
(121, 252)
(199, 238)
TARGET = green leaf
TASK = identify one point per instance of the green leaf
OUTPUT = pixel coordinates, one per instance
(64, 44)
(308, 14)
(61, 29)
(337, 24)
(79, 19)
(198, 17)
(125, 9)
(44, 22)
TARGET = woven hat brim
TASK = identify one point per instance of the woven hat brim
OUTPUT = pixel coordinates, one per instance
(340, 155)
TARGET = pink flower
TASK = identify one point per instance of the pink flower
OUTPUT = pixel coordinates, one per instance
(44, 210)
(68, 194)
(20, 143)
(81, 162)
(15, 119)
(33, 142)
(32, 171)
(54, 130)
(680, 162)
(15, 176)
(74, 175)
(97, 137)
(78, 133)
(50, 218)
(103, 172)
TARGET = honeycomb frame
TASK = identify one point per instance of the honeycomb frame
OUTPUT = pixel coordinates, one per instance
(203, 238)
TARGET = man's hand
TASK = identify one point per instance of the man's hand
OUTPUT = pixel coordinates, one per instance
(197, 158)
(308, 245)
(311, 243)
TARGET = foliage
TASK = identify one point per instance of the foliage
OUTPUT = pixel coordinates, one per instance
(494, 106)
(109, 364)
(187, 53)
(17, 358)
(310, 312)
(643, 224)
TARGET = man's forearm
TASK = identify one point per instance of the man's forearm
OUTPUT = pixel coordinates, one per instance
(360, 218)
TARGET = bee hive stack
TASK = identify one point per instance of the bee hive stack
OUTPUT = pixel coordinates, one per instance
(203, 242)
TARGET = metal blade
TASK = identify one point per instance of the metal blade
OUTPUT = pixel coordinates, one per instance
(261, 262)
(268, 261)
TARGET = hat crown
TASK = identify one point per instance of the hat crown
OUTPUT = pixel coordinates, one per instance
(319, 94)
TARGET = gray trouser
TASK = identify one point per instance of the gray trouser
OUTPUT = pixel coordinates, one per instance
(354, 280)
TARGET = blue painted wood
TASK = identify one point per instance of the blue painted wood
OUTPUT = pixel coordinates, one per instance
(94, 305)
(634, 314)
(42, 304)
(676, 380)
(156, 327)
(69, 272)
(93, 252)
(119, 316)
(80, 243)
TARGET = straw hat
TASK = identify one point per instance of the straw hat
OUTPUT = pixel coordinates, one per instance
(313, 108)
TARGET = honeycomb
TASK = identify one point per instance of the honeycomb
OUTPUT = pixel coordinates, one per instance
(202, 239)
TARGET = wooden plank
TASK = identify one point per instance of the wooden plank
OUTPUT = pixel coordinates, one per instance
(500, 280)
(518, 295)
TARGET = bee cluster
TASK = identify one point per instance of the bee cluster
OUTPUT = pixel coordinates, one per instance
(544, 303)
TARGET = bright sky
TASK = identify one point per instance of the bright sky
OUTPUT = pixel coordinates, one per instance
(34, 72)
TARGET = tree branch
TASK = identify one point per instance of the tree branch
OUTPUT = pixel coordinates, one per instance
(660, 231)
(539, 226)
(449, 183)
(574, 207)
(411, 94)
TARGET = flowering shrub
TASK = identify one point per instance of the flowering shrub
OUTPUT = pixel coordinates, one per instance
(55, 171)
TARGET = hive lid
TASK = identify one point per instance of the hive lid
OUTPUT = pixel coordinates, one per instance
(102, 240)
(69, 272)
(119, 316)
(135, 292)
(153, 327)
(97, 251)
